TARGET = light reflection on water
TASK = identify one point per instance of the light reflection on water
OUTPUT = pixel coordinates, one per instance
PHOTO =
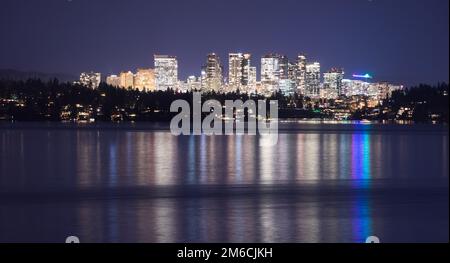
(362, 174)
(149, 186)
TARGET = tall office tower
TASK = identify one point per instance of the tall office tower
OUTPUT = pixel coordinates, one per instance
(270, 73)
(332, 82)
(292, 72)
(126, 79)
(214, 80)
(113, 80)
(245, 69)
(251, 80)
(284, 67)
(166, 72)
(235, 70)
(144, 80)
(312, 81)
(239, 71)
(90, 79)
(288, 79)
(301, 74)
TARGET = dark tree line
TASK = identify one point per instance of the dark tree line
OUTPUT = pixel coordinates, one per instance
(38, 100)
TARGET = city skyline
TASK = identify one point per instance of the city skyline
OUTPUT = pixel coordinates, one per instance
(69, 38)
(278, 73)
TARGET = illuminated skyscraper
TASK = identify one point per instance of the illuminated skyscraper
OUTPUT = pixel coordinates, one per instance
(292, 72)
(235, 69)
(251, 80)
(284, 67)
(90, 79)
(126, 79)
(166, 72)
(144, 80)
(245, 69)
(270, 72)
(332, 82)
(301, 74)
(239, 71)
(213, 71)
(312, 81)
(288, 78)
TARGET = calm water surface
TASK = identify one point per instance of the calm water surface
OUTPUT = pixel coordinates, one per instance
(138, 183)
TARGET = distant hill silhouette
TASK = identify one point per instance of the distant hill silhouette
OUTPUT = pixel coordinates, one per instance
(12, 74)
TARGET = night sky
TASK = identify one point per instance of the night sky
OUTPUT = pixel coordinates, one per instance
(402, 41)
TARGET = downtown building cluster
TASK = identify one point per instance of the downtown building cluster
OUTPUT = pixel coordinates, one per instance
(277, 74)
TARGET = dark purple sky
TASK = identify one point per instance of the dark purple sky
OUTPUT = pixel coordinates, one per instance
(404, 41)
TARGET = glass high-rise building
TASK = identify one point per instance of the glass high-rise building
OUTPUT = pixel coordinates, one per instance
(166, 72)
(312, 80)
(251, 88)
(332, 82)
(270, 72)
(284, 67)
(213, 74)
(235, 70)
(301, 74)
(238, 71)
